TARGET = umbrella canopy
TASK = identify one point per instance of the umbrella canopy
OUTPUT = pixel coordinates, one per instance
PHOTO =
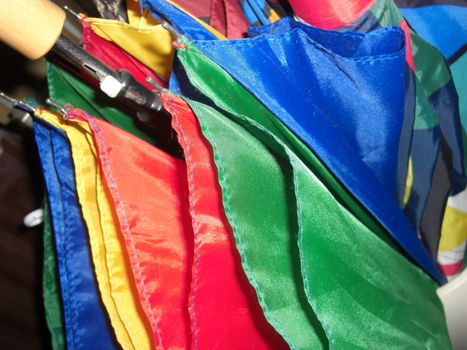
(113, 271)
(342, 163)
(437, 121)
(232, 319)
(85, 319)
(323, 232)
(148, 189)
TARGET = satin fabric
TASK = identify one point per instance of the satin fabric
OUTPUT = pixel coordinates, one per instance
(237, 99)
(427, 18)
(149, 43)
(50, 287)
(436, 112)
(362, 298)
(85, 320)
(113, 273)
(345, 165)
(233, 318)
(65, 88)
(116, 57)
(149, 193)
(264, 225)
(330, 14)
(379, 151)
(182, 21)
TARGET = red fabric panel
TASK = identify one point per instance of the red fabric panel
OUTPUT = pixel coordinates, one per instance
(408, 47)
(150, 196)
(330, 14)
(223, 305)
(116, 58)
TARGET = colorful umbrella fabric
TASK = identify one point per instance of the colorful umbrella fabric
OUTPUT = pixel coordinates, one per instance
(111, 267)
(318, 252)
(289, 195)
(383, 204)
(232, 319)
(50, 287)
(85, 318)
(427, 18)
(437, 119)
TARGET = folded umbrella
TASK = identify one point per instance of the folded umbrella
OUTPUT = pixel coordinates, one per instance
(347, 292)
(85, 319)
(149, 193)
(231, 319)
(347, 166)
(111, 266)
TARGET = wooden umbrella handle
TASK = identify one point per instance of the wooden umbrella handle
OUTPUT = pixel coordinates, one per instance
(30, 26)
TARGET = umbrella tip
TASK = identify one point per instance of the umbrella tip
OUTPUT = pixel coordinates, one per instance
(77, 15)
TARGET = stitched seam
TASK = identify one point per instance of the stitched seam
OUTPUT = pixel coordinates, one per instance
(196, 227)
(278, 37)
(304, 271)
(232, 220)
(100, 263)
(126, 228)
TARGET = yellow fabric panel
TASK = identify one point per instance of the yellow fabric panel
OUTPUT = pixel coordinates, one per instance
(408, 183)
(273, 16)
(112, 269)
(454, 229)
(150, 44)
(138, 19)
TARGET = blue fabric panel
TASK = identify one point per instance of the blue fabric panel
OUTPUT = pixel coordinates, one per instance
(442, 102)
(351, 99)
(182, 22)
(85, 318)
(443, 26)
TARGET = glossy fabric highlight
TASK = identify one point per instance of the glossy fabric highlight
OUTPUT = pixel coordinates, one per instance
(149, 191)
(151, 44)
(231, 319)
(351, 170)
(85, 319)
(117, 58)
(111, 267)
(339, 291)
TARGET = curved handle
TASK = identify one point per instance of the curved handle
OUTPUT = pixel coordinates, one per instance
(31, 27)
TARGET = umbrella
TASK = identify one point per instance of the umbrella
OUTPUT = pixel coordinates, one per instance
(337, 254)
(108, 253)
(150, 44)
(85, 320)
(148, 191)
(427, 18)
(436, 109)
(341, 162)
(235, 312)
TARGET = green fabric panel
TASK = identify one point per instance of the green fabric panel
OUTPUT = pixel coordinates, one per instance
(365, 294)
(50, 287)
(430, 66)
(386, 12)
(65, 88)
(211, 80)
(425, 118)
(264, 225)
